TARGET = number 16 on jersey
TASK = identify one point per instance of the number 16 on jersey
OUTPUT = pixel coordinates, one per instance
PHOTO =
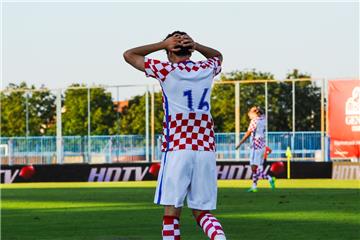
(203, 104)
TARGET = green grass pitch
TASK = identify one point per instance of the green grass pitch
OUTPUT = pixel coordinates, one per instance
(298, 209)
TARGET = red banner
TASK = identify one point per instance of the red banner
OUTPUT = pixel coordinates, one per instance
(344, 118)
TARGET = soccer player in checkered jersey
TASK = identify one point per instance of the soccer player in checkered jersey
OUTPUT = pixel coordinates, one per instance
(256, 131)
(188, 165)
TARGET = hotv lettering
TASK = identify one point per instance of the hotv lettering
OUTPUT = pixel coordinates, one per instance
(115, 174)
(7, 176)
(236, 171)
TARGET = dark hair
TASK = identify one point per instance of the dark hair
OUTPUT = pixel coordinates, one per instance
(184, 51)
(258, 110)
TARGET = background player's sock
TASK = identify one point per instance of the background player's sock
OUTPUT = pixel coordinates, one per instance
(255, 178)
(171, 228)
(261, 174)
(265, 176)
(269, 177)
(211, 226)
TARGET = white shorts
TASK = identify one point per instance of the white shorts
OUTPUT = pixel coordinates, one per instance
(190, 174)
(257, 157)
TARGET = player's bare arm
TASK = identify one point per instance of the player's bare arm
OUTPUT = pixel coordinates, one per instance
(135, 56)
(207, 52)
(245, 137)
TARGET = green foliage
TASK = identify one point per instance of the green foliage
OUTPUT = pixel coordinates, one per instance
(223, 99)
(132, 118)
(104, 120)
(159, 113)
(13, 116)
(308, 118)
(75, 117)
(223, 107)
(223, 104)
(308, 109)
(41, 110)
(307, 106)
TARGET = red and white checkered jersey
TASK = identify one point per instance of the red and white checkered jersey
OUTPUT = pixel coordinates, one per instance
(257, 128)
(186, 88)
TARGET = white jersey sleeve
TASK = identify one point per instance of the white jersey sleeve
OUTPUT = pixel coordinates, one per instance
(157, 69)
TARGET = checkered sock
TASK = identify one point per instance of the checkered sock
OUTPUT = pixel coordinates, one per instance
(263, 175)
(171, 228)
(255, 178)
(211, 226)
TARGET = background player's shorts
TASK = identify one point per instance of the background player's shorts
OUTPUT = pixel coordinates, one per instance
(257, 156)
(187, 173)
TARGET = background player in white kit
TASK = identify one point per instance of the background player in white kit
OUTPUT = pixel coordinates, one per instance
(188, 167)
(256, 130)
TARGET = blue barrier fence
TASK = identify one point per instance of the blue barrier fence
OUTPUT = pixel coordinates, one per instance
(119, 148)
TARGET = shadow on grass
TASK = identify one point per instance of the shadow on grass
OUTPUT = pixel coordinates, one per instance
(128, 214)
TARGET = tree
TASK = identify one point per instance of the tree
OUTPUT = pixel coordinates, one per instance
(132, 118)
(15, 101)
(307, 106)
(307, 118)
(223, 104)
(13, 115)
(223, 99)
(75, 117)
(42, 111)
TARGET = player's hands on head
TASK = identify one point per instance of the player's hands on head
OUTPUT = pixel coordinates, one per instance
(173, 43)
(187, 41)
